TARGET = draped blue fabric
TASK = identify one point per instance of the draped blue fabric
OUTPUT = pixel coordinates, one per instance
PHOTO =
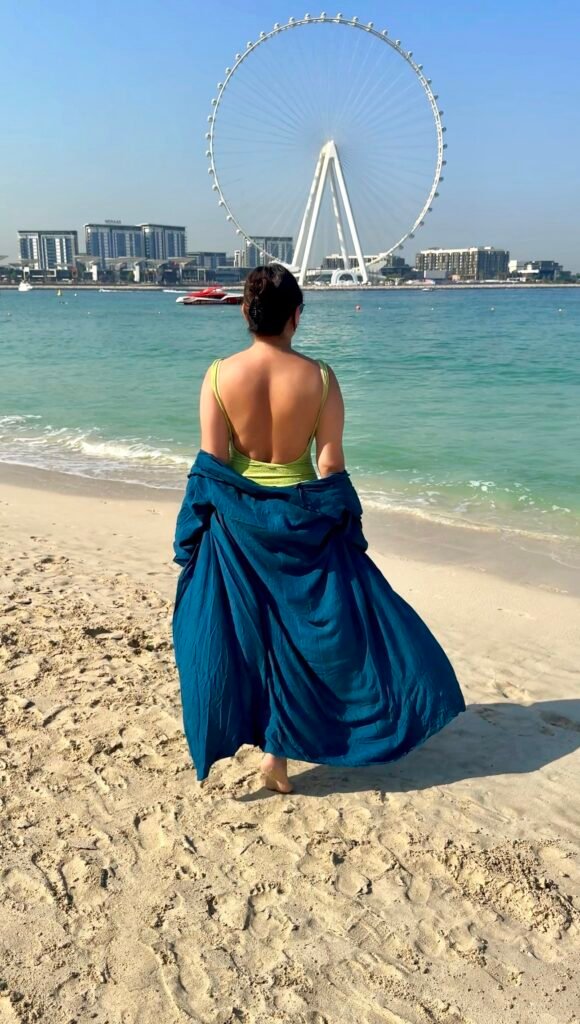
(287, 636)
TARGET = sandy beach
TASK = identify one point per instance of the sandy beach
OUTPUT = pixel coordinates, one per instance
(444, 889)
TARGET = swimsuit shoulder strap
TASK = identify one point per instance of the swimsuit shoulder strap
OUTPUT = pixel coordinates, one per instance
(325, 384)
(214, 377)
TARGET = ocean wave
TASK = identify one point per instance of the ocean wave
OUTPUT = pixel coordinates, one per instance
(130, 450)
(472, 503)
(88, 453)
(480, 516)
(13, 421)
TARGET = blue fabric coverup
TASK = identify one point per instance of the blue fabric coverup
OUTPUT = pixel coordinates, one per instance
(287, 636)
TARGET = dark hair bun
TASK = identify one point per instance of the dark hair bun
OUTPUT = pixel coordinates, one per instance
(271, 296)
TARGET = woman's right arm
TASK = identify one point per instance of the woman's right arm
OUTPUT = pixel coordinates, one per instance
(329, 453)
(214, 431)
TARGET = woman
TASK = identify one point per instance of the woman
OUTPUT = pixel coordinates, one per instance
(286, 634)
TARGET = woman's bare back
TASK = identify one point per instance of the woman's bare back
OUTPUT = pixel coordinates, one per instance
(272, 397)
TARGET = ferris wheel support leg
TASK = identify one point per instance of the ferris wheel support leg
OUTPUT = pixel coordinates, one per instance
(349, 214)
(315, 210)
(338, 218)
(307, 211)
(328, 166)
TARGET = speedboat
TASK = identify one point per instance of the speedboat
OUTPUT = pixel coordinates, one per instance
(211, 297)
(25, 286)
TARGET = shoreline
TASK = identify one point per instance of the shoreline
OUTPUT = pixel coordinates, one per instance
(548, 563)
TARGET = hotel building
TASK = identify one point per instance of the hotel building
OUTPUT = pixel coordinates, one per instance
(208, 260)
(278, 247)
(113, 240)
(163, 241)
(48, 250)
(478, 263)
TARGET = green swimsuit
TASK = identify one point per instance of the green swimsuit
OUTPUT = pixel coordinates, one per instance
(272, 474)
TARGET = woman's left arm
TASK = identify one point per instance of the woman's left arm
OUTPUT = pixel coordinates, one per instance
(214, 430)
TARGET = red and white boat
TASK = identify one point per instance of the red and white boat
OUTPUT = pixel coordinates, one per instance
(211, 297)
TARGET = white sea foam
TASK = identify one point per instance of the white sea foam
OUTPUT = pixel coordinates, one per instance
(88, 453)
(124, 451)
(13, 421)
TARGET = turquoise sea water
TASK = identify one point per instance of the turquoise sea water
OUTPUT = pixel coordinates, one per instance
(460, 404)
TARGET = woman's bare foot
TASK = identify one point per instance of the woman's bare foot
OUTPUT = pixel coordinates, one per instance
(275, 774)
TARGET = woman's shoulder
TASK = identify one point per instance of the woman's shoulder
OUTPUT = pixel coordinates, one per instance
(315, 363)
(235, 358)
(216, 365)
(238, 361)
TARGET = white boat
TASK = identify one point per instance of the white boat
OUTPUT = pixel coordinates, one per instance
(25, 286)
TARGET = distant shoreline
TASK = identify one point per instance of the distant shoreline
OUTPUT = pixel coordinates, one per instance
(415, 286)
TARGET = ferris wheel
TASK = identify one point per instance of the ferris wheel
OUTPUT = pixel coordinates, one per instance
(325, 146)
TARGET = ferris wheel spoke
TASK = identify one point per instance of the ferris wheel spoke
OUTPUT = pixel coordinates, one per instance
(395, 109)
(358, 81)
(273, 119)
(357, 89)
(362, 97)
(251, 94)
(406, 117)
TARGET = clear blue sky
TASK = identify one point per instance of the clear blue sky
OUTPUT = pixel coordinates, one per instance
(105, 105)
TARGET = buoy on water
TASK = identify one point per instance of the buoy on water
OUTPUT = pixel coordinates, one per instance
(358, 308)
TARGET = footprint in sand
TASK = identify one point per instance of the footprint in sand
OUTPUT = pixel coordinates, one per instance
(25, 888)
(517, 694)
(351, 882)
(184, 978)
(86, 881)
(265, 918)
(419, 890)
(559, 721)
(152, 826)
(232, 910)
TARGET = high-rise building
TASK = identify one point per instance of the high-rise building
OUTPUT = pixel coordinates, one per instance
(478, 263)
(113, 240)
(208, 260)
(48, 250)
(540, 270)
(277, 247)
(163, 241)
